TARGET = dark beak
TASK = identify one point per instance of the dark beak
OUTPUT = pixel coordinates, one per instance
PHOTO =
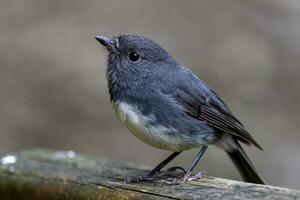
(107, 42)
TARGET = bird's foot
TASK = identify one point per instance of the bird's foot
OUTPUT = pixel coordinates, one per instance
(183, 179)
(189, 177)
(153, 175)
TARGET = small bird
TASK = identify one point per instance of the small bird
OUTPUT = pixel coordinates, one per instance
(167, 106)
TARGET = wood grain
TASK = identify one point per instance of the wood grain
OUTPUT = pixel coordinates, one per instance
(48, 175)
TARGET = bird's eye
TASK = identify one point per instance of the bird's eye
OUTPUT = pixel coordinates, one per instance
(133, 56)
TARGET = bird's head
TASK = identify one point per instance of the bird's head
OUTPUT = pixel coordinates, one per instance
(134, 52)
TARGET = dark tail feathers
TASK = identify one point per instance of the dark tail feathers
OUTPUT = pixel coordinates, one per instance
(244, 165)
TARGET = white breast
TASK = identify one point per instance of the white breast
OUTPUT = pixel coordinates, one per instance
(142, 127)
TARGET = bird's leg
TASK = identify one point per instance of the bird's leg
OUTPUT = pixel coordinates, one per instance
(194, 163)
(158, 168)
(156, 171)
(188, 175)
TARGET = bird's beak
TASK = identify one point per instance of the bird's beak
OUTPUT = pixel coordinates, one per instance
(106, 42)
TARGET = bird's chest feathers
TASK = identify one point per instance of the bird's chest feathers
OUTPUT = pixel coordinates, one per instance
(130, 116)
(146, 128)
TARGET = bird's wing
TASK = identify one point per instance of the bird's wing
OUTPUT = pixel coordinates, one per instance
(215, 113)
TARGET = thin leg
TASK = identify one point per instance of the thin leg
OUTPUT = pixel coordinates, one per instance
(158, 168)
(195, 161)
(154, 172)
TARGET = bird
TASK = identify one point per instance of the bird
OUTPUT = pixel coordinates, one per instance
(167, 106)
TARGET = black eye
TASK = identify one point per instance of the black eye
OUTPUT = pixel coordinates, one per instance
(133, 56)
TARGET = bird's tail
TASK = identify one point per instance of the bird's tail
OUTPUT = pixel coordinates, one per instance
(243, 163)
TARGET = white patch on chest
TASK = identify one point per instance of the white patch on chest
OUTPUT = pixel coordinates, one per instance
(142, 127)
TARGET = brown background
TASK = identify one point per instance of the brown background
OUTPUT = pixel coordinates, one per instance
(52, 75)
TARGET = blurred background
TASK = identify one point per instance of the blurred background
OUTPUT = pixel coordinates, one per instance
(52, 75)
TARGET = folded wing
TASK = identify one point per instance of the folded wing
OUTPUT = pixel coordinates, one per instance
(214, 115)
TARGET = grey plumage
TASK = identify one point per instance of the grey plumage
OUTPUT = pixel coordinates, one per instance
(167, 106)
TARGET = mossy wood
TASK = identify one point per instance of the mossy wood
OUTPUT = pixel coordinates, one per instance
(45, 174)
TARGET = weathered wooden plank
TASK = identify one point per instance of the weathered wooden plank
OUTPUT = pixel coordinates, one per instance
(45, 174)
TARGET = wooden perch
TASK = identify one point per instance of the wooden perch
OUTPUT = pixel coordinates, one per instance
(45, 174)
